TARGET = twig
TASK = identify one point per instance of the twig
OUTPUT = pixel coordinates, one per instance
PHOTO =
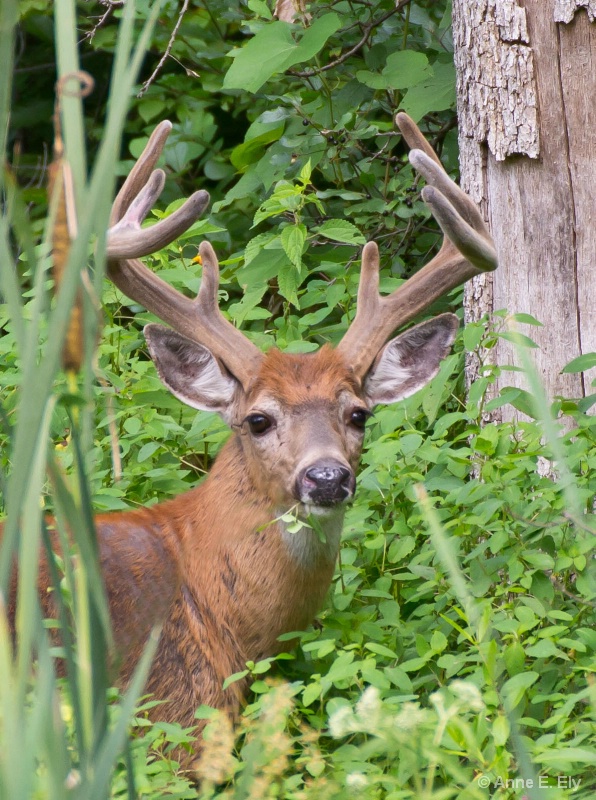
(155, 72)
(111, 5)
(581, 525)
(368, 29)
(581, 600)
(101, 21)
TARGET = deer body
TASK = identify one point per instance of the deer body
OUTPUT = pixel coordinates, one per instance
(237, 578)
(217, 566)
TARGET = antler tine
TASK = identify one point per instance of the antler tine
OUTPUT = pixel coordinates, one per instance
(139, 174)
(200, 320)
(126, 239)
(459, 213)
(467, 250)
(414, 137)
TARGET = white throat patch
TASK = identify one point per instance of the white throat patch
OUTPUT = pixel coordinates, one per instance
(317, 544)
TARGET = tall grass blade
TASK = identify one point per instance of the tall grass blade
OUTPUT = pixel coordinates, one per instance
(111, 746)
(543, 412)
(448, 558)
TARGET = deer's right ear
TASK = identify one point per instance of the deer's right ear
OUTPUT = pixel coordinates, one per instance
(190, 371)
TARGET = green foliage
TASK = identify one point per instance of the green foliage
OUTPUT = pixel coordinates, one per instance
(458, 644)
(456, 652)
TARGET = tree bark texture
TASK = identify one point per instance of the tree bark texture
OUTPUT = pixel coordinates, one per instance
(527, 108)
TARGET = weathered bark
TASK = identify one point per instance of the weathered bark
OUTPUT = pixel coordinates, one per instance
(526, 98)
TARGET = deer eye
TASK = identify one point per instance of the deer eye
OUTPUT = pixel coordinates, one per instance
(258, 423)
(359, 416)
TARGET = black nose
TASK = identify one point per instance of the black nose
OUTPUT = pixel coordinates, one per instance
(325, 483)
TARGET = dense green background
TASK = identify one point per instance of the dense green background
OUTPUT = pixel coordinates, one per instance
(458, 640)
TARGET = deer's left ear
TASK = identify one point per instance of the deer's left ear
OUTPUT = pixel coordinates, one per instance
(410, 361)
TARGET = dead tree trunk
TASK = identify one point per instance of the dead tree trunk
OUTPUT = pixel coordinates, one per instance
(527, 110)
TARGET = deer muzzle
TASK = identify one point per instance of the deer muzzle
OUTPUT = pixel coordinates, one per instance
(325, 483)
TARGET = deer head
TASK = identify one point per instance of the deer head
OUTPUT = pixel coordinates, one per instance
(299, 419)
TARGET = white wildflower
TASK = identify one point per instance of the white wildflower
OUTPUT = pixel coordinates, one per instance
(410, 717)
(341, 722)
(356, 780)
(368, 708)
(468, 695)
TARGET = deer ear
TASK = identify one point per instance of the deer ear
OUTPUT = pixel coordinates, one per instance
(411, 360)
(190, 371)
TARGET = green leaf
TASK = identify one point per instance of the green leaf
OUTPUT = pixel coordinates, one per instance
(539, 560)
(262, 666)
(237, 676)
(315, 37)
(250, 151)
(311, 693)
(372, 79)
(438, 642)
(507, 395)
(340, 230)
(409, 443)
(264, 264)
(132, 425)
(256, 245)
(518, 339)
(305, 173)
(414, 664)
(260, 8)
(501, 730)
(473, 333)
(150, 108)
(286, 197)
(403, 69)
(436, 93)
(381, 650)
(401, 547)
(514, 657)
(544, 648)
(342, 668)
(527, 319)
(581, 363)
(264, 55)
(434, 394)
(147, 451)
(515, 688)
(288, 280)
(273, 50)
(293, 239)
(252, 297)
(581, 755)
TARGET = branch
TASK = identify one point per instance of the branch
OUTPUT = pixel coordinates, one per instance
(368, 29)
(162, 60)
(111, 4)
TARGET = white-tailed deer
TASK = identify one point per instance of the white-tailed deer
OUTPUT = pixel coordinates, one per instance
(216, 565)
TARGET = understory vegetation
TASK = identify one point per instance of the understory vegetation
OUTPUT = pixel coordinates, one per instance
(456, 653)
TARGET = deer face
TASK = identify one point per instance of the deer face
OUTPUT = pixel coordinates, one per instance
(302, 426)
(301, 421)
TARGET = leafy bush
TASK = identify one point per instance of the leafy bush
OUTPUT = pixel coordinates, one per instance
(456, 652)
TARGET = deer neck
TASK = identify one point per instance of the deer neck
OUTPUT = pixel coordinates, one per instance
(267, 578)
